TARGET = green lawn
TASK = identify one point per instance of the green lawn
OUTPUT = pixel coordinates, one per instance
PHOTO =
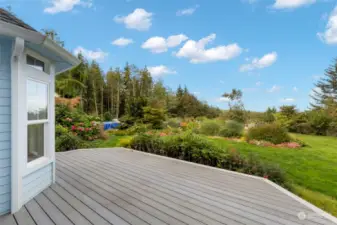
(311, 171)
(112, 141)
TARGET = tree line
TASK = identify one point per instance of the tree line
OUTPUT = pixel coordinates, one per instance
(125, 92)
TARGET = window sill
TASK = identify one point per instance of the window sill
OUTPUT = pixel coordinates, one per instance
(36, 165)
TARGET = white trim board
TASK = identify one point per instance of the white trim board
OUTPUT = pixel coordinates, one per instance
(17, 107)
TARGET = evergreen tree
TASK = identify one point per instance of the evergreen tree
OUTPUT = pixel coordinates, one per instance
(325, 92)
(180, 92)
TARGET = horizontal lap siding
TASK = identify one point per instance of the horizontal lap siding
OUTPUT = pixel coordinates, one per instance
(36, 182)
(5, 125)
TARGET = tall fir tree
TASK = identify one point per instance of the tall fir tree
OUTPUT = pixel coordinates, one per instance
(325, 92)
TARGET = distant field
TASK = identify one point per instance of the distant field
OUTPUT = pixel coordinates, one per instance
(311, 171)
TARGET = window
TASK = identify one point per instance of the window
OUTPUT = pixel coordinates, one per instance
(37, 107)
(37, 64)
(35, 141)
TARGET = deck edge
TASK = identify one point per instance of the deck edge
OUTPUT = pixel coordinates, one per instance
(314, 208)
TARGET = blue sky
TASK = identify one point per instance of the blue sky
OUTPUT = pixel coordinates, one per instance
(273, 50)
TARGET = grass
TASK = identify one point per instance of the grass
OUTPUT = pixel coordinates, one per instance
(112, 141)
(311, 171)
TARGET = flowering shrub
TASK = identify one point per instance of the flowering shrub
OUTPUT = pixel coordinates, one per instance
(292, 145)
(87, 131)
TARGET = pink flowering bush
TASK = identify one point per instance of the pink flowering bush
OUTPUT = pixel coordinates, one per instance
(87, 131)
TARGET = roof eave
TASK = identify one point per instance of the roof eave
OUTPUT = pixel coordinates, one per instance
(64, 54)
(12, 30)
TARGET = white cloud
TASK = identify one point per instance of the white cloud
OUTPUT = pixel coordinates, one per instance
(259, 83)
(188, 11)
(66, 5)
(329, 36)
(97, 55)
(223, 99)
(288, 100)
(274, 88)
(295, 89)
(157, 71)
(176, 40)
(139, 19)
(195, 51)
(291, 4)
(122, 42)
(196, 93)
(266, 61)
(160, 44)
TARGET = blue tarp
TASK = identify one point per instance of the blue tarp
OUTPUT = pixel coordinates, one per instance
(110, 125)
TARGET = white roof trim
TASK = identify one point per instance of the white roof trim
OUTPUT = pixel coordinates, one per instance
(64, 54)
(14, 31)
(35, 37)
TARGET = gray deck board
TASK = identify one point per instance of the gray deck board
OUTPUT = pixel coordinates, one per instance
(103, 188)
(37, 213)
(235, 208)
(114, 198)
(227, 196)
(149, 198)
(23, 217)
(7, 220)
(71, 213)
(187, 196)
(53, 212)
(125, 187)
(92, 216)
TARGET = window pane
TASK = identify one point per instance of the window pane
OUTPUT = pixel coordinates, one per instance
(37, 64)
(35, 141)
(37, 99)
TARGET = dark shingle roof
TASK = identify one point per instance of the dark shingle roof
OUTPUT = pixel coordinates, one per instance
(10, 18)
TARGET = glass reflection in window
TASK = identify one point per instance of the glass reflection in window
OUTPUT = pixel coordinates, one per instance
(37, 99)
(35, 141)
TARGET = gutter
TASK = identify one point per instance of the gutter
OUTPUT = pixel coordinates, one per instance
(35, 37)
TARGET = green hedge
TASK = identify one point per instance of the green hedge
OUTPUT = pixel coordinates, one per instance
(198, 149)
(232, 129)
(273, 133)
(68, 141)
(210, 127)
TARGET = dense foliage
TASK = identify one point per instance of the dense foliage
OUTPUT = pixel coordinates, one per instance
(73, 128)
(194, 148)
(210, 127)
(268, 132)
(232, 129)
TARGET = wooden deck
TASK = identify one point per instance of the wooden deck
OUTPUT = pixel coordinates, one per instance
(119, 186)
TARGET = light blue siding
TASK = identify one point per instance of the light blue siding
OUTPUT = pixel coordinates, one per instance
(5, 124)
(36, 182)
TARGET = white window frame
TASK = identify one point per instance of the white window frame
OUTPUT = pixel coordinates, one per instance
(36, 75)
(19, 74)
(37, 56)
(31, 166)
